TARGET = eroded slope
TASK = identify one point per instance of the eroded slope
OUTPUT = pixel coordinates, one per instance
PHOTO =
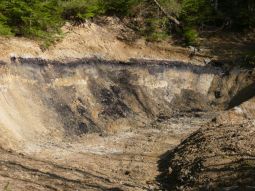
(59, 100)
(93, 124)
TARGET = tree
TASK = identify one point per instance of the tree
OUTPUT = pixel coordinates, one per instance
(30, 18)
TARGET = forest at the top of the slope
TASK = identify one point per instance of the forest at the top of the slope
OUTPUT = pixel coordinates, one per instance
(154, 19)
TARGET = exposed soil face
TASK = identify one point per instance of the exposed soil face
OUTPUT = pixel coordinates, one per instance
(96, 125)
(103, 39)
(91, 96)
(233, 87)
(219, 156)
(102, 124)
(93, 124)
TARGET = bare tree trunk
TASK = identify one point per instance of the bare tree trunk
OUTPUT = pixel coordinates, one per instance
(171, 18)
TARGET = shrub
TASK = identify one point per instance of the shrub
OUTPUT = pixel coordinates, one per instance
(156, 29)
(5, 30)
(191, 36)
(120, 7)
(30, 18)
(194, 13)
(42, 19)
(80, 10)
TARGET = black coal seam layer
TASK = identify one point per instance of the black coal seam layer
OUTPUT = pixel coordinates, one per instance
(176, 65)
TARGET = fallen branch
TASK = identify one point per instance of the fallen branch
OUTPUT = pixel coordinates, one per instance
(171, 18)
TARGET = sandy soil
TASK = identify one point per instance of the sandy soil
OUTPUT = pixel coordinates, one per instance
(102, 128)
(91, 39)
(93, 124)
(123, 161)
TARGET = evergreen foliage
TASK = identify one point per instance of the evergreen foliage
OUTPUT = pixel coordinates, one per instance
(30, 17)
(79, 10)
(43, 18)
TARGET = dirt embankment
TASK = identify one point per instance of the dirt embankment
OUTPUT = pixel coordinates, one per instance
(219, 156)
(215, 158)
(103, 39)
(88, 113)
(43, 98)
(99, 124)
(94, 124)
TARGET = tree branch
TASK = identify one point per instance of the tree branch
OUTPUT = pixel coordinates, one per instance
(171, 18)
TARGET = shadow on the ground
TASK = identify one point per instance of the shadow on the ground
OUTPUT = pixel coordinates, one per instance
(237, 173)
(166, 181)
(242, 96)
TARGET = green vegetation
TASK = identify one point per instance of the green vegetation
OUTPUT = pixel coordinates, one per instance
(42, 19)
(79, 11)
(190, 35)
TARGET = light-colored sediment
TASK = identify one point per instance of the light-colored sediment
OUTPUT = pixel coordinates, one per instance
(90, 40)
(89, 124)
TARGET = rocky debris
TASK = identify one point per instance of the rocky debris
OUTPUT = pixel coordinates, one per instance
(220, 157)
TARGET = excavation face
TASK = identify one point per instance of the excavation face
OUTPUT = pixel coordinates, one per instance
(91, 124)
(52, 100)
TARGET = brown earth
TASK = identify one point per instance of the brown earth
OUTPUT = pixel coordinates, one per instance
(103, 39)
(108, 119)
(68, 123)
(219, 157)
